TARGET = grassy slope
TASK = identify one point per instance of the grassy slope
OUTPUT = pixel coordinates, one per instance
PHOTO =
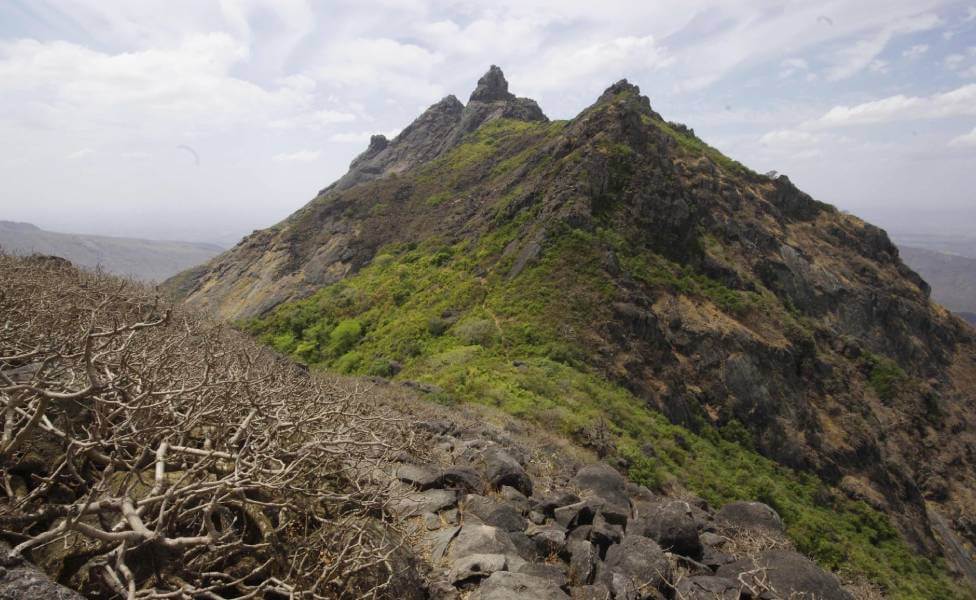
(449, 315)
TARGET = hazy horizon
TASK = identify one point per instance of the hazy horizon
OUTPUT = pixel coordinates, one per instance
(202, 122)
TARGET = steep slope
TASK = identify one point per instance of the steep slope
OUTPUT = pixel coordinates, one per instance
(217, 469)
(587, 274)
(952, 277)
(146, 260)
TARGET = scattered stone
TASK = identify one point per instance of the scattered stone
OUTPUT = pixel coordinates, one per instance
(420, 476)
(605, 534)
(578, 513)
(442, 590)
(582, 562)
(440, 541)
(636, 567)
(713, 540)
(603, 482)
(708, 588)
(504, 585)
(750, 515)
(460, 478)
(430, 501)
(435, 426)
(549, 542)
(537, 517)
(713, 559)
(524, 545)
(552, 501)
(671, 525)
(501, 470)
(580, 533)
(597, 591)
(476, 566)
(506, 517)
(484, 539)
(554, 572)
(788, 573)
(515, 498)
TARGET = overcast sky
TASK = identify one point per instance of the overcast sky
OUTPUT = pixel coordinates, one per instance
(203, 120)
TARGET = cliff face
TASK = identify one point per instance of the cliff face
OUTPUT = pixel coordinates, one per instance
(722, 298)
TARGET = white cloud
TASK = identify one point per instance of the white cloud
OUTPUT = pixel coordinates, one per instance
(916, 51)
(863, 54)
(315, 119)
(158, 91)
(953, 61)
(371, 65)
(878, 66)
(966, 140)
(958, 102)
(963, 64)
(300, 156)
(359, 137)
(791, 66)
(82, 153)
(790, 138)
(971, 14)
(607, 61)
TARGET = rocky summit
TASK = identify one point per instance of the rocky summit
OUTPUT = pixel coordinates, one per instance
(614, 280)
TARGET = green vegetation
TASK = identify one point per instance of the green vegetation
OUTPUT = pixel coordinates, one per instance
(885, 376)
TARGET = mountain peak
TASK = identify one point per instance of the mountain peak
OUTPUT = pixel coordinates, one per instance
(492, 87)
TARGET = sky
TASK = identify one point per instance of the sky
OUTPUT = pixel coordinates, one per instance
(204, 120)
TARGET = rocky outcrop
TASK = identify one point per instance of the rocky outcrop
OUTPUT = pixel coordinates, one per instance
(590, 534)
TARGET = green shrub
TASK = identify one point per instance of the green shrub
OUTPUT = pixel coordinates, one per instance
(438, 325)
(344, 336)
(885, 376)
(475, 331)
(349, 362)
(381, 367)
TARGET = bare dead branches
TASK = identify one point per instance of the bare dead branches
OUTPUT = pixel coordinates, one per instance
(169, 458)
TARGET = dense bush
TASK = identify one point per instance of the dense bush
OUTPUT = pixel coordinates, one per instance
(151, 455)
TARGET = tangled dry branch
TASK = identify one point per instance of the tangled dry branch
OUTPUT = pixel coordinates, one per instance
(148, 454)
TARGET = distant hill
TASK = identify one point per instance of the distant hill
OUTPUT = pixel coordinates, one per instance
(147, 260)
(952, 277)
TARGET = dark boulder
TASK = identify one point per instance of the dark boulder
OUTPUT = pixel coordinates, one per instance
(750, 515)
(672, 525)
(785, 574)
(636, 569)
(24, 581)
(503, 585)
(707, 588)
(603, 482)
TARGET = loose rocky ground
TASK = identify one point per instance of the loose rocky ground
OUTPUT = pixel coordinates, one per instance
(503, 515)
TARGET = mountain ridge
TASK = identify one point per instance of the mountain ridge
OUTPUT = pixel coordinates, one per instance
(617, 247)
(147, 260)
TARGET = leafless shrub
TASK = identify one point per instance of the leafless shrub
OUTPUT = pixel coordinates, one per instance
(148, 454)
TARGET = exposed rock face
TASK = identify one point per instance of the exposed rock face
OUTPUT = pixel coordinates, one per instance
(492, 87)
(731, 298)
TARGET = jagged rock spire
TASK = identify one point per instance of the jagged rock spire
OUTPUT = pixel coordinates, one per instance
(492, 87)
